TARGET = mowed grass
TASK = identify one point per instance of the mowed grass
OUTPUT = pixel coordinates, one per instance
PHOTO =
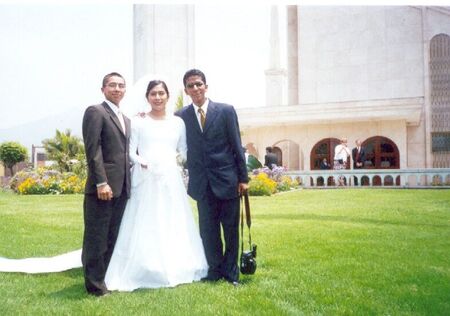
(320, 252)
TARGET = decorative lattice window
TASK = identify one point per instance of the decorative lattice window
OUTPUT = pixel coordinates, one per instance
(440, 142)
(440, 99)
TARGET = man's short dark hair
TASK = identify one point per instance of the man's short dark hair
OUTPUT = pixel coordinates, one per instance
(193, 72)
(112, 74)
(269, 149)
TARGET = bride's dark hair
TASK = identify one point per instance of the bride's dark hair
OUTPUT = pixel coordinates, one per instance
(153, 84)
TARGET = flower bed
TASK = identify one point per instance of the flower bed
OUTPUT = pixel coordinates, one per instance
(46, 181)
(265, 181)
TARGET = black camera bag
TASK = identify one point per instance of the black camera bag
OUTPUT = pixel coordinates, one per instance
(248, 257)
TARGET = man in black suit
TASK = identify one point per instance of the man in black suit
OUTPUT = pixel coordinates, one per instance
(106, 133)
(270, 159)
(358, 156)
(217, 175)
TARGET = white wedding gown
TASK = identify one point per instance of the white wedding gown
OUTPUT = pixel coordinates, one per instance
(158, 243)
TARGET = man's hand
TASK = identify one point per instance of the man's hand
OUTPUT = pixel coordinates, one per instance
(243, 187)
(104, 192)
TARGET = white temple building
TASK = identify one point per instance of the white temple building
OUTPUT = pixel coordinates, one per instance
(377, 74)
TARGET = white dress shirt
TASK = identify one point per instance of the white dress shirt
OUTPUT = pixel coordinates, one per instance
(118, 113)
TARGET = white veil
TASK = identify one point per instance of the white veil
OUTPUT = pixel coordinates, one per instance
(135, 101)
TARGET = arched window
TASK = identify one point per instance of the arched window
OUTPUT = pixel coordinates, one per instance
(287, 152)
(381, 153)
(324, 149)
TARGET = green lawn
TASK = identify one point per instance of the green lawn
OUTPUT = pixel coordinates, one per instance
(321, 252)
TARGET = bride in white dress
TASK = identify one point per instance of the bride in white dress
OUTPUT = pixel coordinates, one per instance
(158, 243)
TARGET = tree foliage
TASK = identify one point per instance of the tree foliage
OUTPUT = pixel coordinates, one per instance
(12, 153)
(179, 102)
(67, 151)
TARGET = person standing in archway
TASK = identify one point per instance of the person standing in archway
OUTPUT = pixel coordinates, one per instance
(341, 153)
(270, 159)
(358, 156)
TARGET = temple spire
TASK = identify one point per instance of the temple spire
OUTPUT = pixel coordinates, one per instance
(275, 75)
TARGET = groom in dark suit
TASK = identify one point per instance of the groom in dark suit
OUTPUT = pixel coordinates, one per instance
(106, 134)
(217, 175)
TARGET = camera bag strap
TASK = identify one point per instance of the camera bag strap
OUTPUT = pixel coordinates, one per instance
(245, 204)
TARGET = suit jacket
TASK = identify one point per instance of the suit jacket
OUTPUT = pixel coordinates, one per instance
(107, 149)
(270, 159)
(361, 158)
(214, 156)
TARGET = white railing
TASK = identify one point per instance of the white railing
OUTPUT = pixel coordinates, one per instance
(422, 177)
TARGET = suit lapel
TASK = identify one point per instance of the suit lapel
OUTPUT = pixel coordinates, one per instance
(192, 117)
(127, 126)
(211, 115)
(115, 119)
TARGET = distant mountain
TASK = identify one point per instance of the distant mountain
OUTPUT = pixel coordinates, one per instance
(33, 133)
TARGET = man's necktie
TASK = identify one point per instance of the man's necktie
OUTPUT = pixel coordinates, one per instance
(202, 117)
(121, 120)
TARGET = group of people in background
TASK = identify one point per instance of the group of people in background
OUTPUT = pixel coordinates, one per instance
(270, 159)
(341, 154)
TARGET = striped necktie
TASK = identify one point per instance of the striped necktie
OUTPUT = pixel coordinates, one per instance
(202, 117)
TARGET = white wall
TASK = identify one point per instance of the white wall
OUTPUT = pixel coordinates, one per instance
(359, 53)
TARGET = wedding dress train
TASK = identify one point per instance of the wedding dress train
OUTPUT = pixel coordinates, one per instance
(59, 263)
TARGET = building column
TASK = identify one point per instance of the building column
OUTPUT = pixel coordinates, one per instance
(292, 54)
(275, 76)
(163, 42)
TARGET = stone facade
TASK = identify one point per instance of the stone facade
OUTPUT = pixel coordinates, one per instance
(361, 72)
(173, 52)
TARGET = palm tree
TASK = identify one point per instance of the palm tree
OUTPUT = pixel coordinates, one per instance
(67, 150)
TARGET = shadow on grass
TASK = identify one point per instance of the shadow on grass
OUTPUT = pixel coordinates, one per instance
(71, 292)
(347, 219)
(74, 293)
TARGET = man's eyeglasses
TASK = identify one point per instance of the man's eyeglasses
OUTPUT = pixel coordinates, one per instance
(197, 84)
(115, 85)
